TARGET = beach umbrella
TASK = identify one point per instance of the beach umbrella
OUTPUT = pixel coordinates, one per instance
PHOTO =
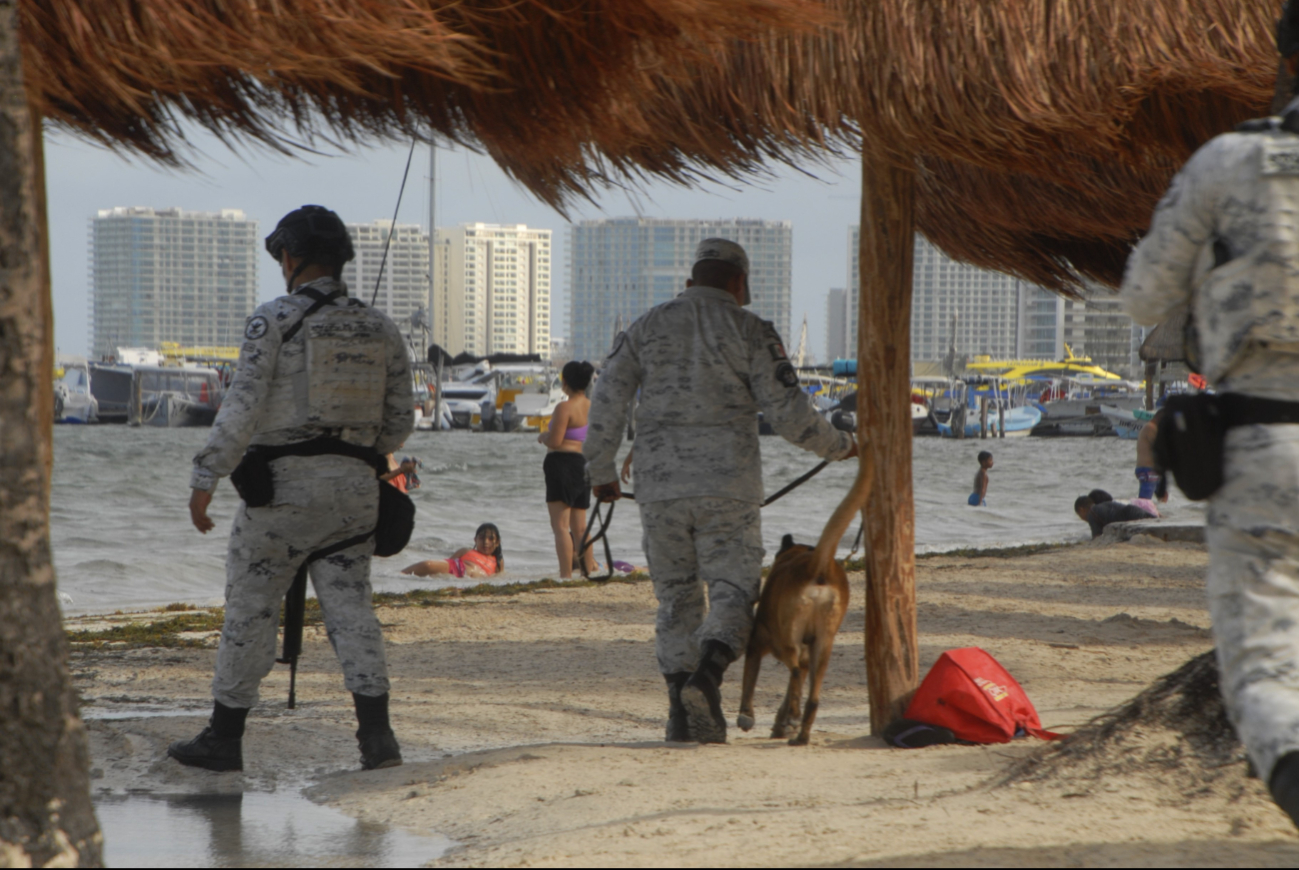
(514, 77)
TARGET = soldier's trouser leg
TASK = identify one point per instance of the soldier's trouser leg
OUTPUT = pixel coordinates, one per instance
(1253, 589)
(267, 546)
(698, 543)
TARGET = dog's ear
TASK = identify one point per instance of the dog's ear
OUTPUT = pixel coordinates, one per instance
(785, 543)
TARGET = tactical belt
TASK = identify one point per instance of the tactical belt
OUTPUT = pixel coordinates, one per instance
(1241, 410)
(254, 482)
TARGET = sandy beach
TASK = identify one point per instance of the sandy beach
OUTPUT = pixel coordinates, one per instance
(532, 728)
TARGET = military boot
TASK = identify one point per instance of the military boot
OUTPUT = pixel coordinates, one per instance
(702, 694)
(678, 730)
(374, 735)
(1285, 785)
(217, 747)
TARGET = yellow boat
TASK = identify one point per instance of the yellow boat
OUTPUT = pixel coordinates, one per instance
(1022, 371)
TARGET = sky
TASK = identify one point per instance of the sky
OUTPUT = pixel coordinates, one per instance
(362, 186)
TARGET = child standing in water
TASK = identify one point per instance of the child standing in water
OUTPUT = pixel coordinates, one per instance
(979, 498)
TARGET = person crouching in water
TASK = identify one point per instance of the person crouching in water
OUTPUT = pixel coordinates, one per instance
(483, 559)
(322, 391)
(568, 495)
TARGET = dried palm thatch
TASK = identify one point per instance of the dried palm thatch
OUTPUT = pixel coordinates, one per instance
(1177, 730)
(1044, 131)
(517, 77)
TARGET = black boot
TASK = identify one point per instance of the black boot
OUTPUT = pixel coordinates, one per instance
(1285, 785)
(217, 747)
(702, 694)
(379, 747)
(678, 730)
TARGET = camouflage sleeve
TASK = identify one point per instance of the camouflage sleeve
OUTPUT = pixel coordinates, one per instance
(1160, 269)
(237, 420)
(399, 399)
(620, 377)
(784, 405)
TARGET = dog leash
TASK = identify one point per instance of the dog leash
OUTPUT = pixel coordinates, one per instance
(600, 524)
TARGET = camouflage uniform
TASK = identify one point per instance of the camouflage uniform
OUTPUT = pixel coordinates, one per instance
(704, 367)
(1241, 191)
(276, 398)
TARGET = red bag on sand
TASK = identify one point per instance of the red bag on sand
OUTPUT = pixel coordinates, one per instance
(968, 692)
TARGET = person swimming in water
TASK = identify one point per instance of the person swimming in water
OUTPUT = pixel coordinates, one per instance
(979, 498)
(483, 559)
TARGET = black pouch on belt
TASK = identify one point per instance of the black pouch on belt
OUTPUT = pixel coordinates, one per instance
(252, 478)
(1190, 443)
(396, 521)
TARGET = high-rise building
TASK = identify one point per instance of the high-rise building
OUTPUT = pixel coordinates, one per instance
(619, 268)
(491, 292)
(982, 312)
(837, 339)
(170, 275)
(403, 287)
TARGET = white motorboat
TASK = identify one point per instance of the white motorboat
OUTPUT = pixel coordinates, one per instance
(73, 401)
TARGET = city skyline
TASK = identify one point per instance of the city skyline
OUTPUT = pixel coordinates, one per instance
(362, 186)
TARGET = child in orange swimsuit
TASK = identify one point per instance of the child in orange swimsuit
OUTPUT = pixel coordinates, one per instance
(482, 560)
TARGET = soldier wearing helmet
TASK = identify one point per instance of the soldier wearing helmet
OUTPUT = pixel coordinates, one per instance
(323, 384)
(1224, 241)
(704, 367)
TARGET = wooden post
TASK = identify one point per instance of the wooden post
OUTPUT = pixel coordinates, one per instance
(884, 429)
(46, 817)
(983, 417)
(1152, 372)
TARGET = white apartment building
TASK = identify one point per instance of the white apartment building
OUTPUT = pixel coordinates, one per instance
(491, 289)
(403, 288)
(620, 268)
(1001, 316)
(170, 275)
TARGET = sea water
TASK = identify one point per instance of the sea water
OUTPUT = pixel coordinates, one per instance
(122, 536)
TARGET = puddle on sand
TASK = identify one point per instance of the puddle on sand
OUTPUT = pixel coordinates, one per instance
(254, 829)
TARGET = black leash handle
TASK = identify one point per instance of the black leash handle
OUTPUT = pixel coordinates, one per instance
(600, 525)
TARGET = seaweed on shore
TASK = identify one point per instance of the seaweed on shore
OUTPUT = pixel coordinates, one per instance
(1177, 730)
(170, 631)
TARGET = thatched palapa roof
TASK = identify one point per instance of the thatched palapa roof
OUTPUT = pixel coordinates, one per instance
(1044, 131)
(520, 78)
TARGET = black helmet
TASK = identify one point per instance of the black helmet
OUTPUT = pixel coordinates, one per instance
(314, 234)
(1287, 30)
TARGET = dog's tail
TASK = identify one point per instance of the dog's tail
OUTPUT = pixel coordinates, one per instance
(841, 519)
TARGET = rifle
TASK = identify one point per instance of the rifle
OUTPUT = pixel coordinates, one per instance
(295, 610)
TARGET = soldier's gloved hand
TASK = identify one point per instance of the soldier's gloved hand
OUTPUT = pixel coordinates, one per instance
(607, 492)
(198, 502)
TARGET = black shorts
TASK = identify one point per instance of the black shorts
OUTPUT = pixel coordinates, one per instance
(566, 479)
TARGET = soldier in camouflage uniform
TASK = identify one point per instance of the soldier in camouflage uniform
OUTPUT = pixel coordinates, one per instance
(704, 367)
(314, 363)
(1225, 239)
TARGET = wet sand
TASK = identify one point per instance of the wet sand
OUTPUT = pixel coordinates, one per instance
(532, 727)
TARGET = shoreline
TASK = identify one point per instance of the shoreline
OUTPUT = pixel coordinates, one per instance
(531, 723)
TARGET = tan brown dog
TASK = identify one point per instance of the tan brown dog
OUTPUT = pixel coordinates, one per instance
(802, 605)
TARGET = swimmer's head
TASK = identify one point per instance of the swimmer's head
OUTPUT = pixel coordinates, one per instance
(577, 375)
(985, 459)
(1083, 507)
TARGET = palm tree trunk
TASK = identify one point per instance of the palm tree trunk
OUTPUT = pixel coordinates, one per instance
(884, 428)
(45, 812)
